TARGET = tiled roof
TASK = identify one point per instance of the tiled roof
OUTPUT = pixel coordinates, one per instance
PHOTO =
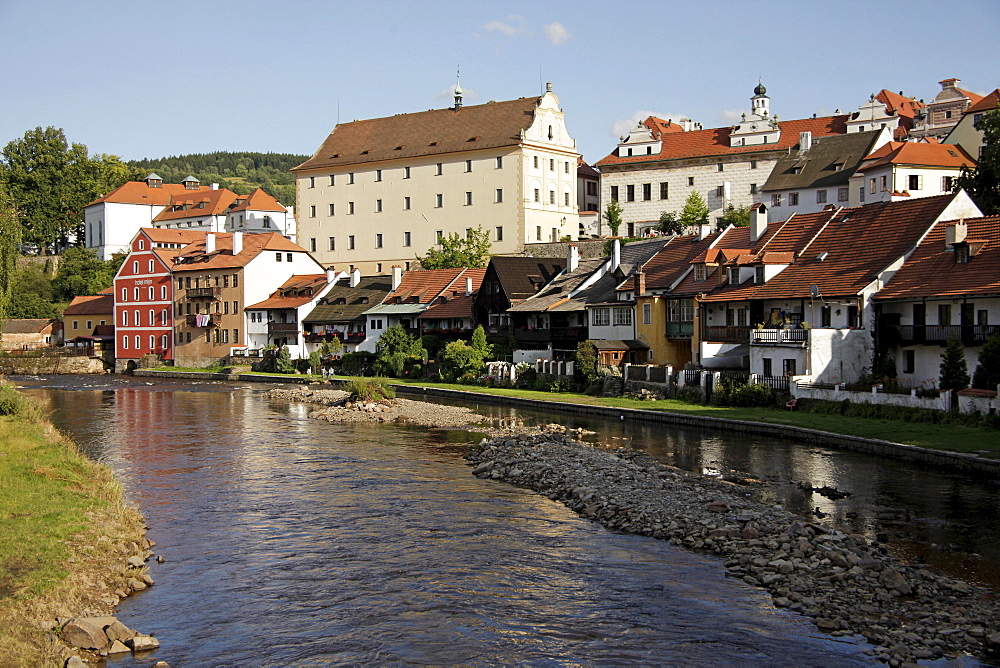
(672, 260)
(194, 203)
(715, 142)
(433, 132)
(917, 153)
(369, 292)
(423, 285)
(559, 288)
(932, 271)
(988, 103)
(26, 325)
(162, 235)
(827, 164)
(292, 292)
(195, 258)
(137, 192)
(906, 107)
(99, 304)
(516, 273)
(258, 200)
(456, 306)
(660, 127)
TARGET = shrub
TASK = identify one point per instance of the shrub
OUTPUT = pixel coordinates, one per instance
(468, 379)
(17, 405)
(459, 359)
(315, 362)
(302, 365)
(356, 364)
(369, 389)
(745, 395)
(526, 378)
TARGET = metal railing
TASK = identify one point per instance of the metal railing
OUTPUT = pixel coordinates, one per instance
(776, 336)
(195, 293)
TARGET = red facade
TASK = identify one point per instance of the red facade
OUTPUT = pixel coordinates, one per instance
(144, 303)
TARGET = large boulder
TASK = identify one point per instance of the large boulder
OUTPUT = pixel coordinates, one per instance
(84, 633)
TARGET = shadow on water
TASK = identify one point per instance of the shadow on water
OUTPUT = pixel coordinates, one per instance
(290, 540)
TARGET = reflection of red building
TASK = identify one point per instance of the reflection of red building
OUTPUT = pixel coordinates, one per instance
(144, 294)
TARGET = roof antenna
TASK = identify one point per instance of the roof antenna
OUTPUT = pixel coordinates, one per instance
(458, 88)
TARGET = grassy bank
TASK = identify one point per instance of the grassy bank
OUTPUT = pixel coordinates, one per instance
(64, 524)
(956, 438)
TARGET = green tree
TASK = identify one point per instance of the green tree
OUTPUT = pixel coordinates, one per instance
(458, 359)
(472, 251)
(480, 344)
(669, 223)
(394, 347)
(613, 214)
(10, 242)
(982, 182)
(954, 371)
(283, 361)
(81, 273)
(736, 216)
(586, 360)
(32, 305)
(695, 211)
(987, 374)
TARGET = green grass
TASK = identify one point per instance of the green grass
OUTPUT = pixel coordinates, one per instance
(956, 438)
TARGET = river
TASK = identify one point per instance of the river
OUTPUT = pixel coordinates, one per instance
(294, 541)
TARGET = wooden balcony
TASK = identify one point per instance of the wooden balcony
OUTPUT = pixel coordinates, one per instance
(282, 328)
(578, 333)
(533, 335)
(934, 335)
(724, 334)
(202, 293)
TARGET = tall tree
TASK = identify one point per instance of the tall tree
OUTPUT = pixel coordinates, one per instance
(669, 223)
(81, 273)
(10, 249)
(987, 374)
(613, 214)
(982, 182)
(954, 370)
(695, 211)
(472, 251)
(735, 216)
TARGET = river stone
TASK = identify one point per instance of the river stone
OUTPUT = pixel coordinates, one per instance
(142, 643)
(891, 579)
(75, 662)
(750, 533)
(136, 562)
(85, 634)
(718, 507)
(135, 585)
(118, 631)
(117, 647)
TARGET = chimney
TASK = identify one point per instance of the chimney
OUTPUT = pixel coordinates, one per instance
(356, 277)
(397, 276)
(468, 285)
(805, 141)
(331, 274)
(616, 253)
(704, 231)
(572, 258)
(237, 243)
(640, 283)
(955, 234)
(210, 243)
(758, 221)
(215, 186)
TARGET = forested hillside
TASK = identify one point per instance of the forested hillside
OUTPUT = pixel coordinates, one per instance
(240, 172)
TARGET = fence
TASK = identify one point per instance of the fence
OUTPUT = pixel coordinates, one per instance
(554, 367)
(74, 351)
(875, 396)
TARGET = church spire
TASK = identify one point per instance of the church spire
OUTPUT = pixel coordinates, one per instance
(458, 89)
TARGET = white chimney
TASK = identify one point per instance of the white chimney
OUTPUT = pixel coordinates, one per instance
(468, 285)
(758, 221)
(215, 186)
(805, 141)
(210, 243)
(704, 231)
(955, 234)
(397, 276)
(572, 258)
(237, 243)
(331, 274)
(356, 277)
(616, 253)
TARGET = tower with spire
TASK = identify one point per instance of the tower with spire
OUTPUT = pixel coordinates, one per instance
(759, 127)
(458, 90)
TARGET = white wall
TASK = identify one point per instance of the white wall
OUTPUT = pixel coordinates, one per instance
(109, 227)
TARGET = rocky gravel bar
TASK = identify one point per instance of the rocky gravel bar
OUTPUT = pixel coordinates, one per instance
(846, 584)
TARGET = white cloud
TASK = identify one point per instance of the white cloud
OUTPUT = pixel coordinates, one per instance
(515, 26)
(622, 126)
(557, 33)
(730, 116)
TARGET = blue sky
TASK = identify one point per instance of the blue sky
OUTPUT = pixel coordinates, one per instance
(154, 79)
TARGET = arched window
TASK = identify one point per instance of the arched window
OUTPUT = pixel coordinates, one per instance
(550, 132)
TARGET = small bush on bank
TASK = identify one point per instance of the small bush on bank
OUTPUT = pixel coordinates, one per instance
(369, 389)
(746, 395)
(15, 404)
(526, 379)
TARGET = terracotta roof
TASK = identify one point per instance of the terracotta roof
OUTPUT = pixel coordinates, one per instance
(258, 200)
(917, 153)
(672, 260)
(900, 104)
(715, 142)
(342, 303)
(99, 304)
(26, 325)
(433, 132)
(195, 203)
(194, 258)
(423, 285)
(291, 294)
(558, 289)
(459, 306)
(988, 103)
(162, 235)
(932, 271)
(137, 192)
(829, 163)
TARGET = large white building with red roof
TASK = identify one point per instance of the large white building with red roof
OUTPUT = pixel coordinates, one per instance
(112, 221)
(660, 163)
(904, 170)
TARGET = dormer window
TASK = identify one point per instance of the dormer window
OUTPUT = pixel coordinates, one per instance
(699, 272)
(961, 253)
(758, 277)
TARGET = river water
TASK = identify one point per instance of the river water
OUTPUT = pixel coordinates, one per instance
(291, 541)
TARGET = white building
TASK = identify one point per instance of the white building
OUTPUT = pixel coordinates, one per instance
(278, 320)
(379, 192)
(903, 170)
(894, 112)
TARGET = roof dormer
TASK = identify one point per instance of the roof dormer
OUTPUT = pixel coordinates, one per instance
(154, 180)
(191, 183)
(640, 141)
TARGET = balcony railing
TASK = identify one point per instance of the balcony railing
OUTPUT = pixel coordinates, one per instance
(908, 335)
(680, 329)
(202, 293)
(533, 335)
(204, 320)
(736, 334)
(778, 336)
(282, 328)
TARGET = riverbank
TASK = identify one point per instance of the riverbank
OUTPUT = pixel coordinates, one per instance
(71, 546)
(845, 584)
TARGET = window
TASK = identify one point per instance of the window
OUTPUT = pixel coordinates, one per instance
(312, 181)
(883, 183)
(720, 191)
(439, 169)
(135, 267)
(871, 186)
(163, 317)
(350, 178)
(350, 242)
(664, 190)
(138, 320)
(312, 244)
(499, 233)
(76, 324)
(439, 200)
(135, 294)
(149, 293)
(768, 371)
(753, 188)
(378, 206)
(538, 196)
(468, 198)
(333, 180)
(821, 197)
(788, 367)
(312, 211)
(152, 342)
(793, 199)
(916, 181)
(406, 238)
(566, 167)
(538, 233)
(552, 197)
(614, 193)
(288, 257)
(776, 199)
(623, 316)
(378, 174)
(150, 269)
(236, 280)
(333, 243)
(842, 194)
(468, 165)
(331, 209)
(720, 167)
(909, 361)
(499, 195)
(378, 241)
(825, 317)
(647, 314)
(699, 272)
(753, 164)
(690, 180)
(406, 203)
(947, 183)
(163, 292)
(565, 199)
(591, 187)
(758, 276)
(601, 317)
(647, 192)
(499, 162)
(236, 336)
(687, 310)
(944, 315)
(630, 193)
(552, 165)
(350, 208)
(125, 342)
(439, 236)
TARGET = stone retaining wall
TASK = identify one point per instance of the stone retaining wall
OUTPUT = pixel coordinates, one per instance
(51, 366)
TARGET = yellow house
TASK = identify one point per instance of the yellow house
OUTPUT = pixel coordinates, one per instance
(87, 313)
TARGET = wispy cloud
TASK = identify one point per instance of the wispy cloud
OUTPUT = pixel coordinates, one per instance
(515, 25)
(623, 126)
(557, 33)
(730, 116)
